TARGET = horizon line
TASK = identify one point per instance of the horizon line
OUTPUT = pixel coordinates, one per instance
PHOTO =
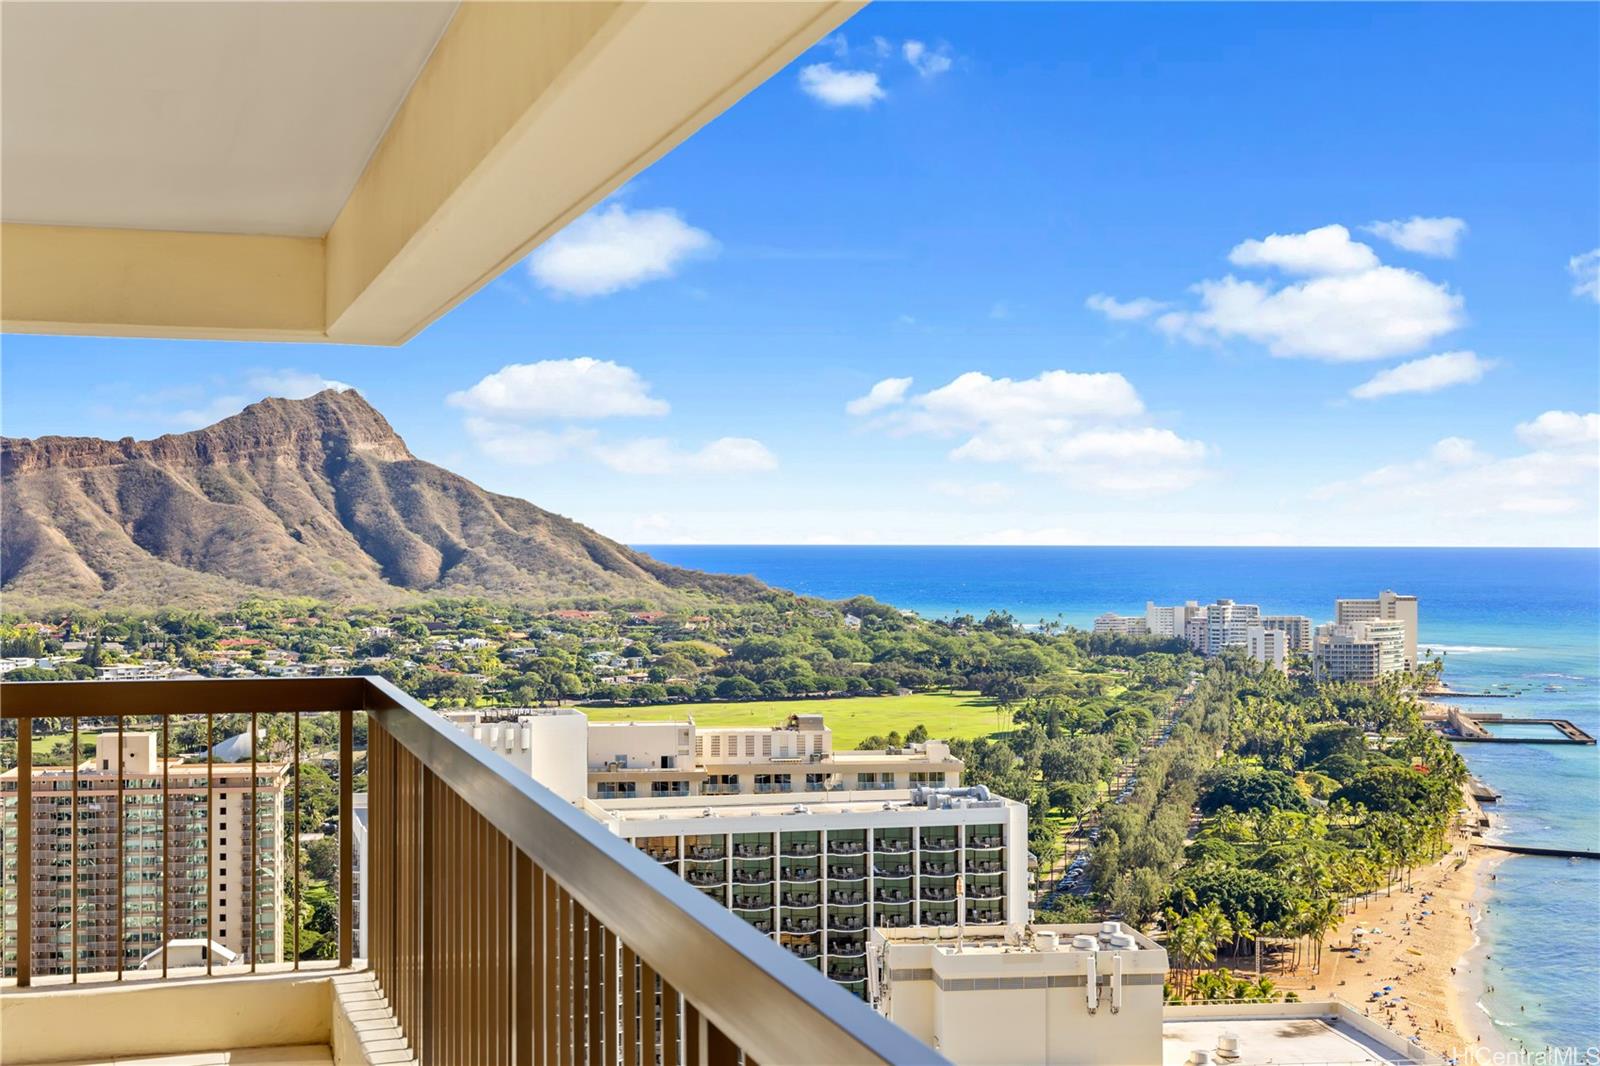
(1217, 547)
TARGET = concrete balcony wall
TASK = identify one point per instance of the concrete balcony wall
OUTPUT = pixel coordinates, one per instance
(146, 1016)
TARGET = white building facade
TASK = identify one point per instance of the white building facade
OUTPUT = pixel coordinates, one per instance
(819, 876)
(1387, 606)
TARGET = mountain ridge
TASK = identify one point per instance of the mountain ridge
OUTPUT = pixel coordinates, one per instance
(315, 497)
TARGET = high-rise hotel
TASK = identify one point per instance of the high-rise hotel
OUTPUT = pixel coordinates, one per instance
(204, 810)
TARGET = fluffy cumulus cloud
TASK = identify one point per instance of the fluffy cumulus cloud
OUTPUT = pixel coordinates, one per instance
(885, 393)
(1337, 301)
(836, 87)
(576, 389)
(1428, 374)
(1123, 310)
(530, 414)
(1457, 481)
(1326, 250)
(929, 63)
(1560, 430)
(1585, 271)
(659, 456)
(613, 248)
(1087, 429)
(292, 384)
(1425, 236)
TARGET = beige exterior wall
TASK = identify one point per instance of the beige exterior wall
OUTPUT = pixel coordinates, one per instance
(993, 997)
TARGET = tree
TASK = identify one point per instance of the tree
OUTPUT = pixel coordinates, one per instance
(322, 859)
(737, 687)
(1247, 789)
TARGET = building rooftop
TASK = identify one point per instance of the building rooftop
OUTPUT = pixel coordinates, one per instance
(778, 805)
(1301, 1034)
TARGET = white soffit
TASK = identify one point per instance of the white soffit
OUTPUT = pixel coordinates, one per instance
(243, 117)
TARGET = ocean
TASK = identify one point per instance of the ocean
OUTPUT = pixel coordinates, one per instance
(1516, 621)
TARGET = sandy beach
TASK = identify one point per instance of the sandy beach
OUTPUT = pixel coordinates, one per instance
(1417, 944)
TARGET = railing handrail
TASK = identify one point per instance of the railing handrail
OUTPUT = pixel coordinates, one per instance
(774, 1006)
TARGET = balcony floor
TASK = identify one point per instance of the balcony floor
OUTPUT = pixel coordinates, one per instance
(294, 1055)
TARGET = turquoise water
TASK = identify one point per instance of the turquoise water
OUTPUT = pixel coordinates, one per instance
(1519, 622)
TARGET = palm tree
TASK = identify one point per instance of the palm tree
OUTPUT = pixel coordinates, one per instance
(1244, 928)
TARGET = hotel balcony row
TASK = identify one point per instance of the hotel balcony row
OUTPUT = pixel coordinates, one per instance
(501, 923)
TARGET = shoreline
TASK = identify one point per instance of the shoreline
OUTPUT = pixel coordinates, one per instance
(1473, 1022)
(1424, 946)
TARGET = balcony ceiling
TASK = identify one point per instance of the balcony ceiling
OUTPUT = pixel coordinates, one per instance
(252, 117)
(326, 171)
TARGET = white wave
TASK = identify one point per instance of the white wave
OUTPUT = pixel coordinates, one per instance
(1469, 649)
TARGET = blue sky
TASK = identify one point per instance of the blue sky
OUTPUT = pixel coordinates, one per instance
(1131, 258)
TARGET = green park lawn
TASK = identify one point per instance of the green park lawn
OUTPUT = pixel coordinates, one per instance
(852, 718)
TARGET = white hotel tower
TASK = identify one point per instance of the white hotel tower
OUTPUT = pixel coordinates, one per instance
(816, 869)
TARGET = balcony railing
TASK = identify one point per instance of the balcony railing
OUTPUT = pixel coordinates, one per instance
(509, 926)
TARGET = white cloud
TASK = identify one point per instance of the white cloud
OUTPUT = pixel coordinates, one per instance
(1085, 429)
(210, 413)
(1343, 317)
(659, 456)
(292, 384)
(1428, 374)
(974, 400)
(881, 47)
(929, 64)
(1123, 310)
(981, 493)
(1585, 271)
(1133, 460)
(526, 446)
(1456, 482)
(1456, 451)
(577, 389)
(1425, 236)
(612, 248)
(840, 88)
(1347, 307)
(1560, 430)
(885, 393)
(1325, 250)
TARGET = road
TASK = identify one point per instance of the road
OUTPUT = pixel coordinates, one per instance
(1069, 873)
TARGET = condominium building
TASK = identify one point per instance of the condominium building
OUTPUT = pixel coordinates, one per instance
(1388, 606)
(1296, 628)
(1228, 623)
(1131, 625)
(661, 760)
(1268, 646)
(818, 875)
(197, 831)
(1363, 651)
(1089, 995)
(1170, 621)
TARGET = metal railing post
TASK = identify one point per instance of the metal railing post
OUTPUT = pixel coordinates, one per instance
(24, 852)
(346, 836)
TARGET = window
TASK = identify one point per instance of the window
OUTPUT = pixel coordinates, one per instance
(866, 780)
